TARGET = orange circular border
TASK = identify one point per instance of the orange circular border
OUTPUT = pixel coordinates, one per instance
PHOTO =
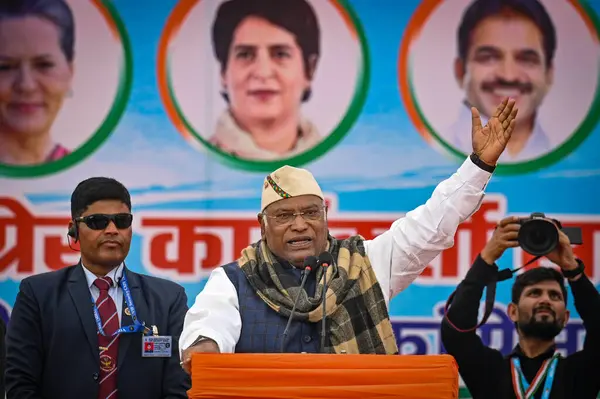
(411, 33)
(172, 26)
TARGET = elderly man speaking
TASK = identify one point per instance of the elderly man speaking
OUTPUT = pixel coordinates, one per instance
(245, 305)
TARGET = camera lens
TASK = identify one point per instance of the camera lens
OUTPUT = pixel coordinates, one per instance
(538, 237)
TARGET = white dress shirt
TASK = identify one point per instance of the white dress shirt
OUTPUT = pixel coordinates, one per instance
(398, 256)
(115, 291)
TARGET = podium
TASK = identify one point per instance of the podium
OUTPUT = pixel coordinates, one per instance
(324, 376)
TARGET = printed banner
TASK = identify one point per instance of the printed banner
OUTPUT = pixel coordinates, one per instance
(191, 103)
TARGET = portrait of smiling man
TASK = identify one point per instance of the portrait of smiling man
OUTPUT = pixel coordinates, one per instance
(505, 48)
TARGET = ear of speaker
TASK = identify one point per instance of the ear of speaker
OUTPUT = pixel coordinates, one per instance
(72, 232)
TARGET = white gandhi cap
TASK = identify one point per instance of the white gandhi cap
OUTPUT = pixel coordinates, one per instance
(288, 182)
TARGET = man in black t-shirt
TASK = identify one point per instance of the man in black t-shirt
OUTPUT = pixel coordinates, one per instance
(539, 311)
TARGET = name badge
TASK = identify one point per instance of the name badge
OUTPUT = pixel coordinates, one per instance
(156, 346)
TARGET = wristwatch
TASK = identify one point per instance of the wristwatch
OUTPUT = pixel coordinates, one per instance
(575, 272)
(201, 338)
(477, 161)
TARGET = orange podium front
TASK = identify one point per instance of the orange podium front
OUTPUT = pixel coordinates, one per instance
(305, 376)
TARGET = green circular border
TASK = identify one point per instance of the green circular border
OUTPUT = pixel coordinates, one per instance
(579, 135)
(106, 127)
(338, 133)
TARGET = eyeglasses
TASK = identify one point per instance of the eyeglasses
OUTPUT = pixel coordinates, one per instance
(288, 217)
(100, 221)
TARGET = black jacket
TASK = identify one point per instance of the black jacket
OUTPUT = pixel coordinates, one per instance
(487, 373)
(52, 345)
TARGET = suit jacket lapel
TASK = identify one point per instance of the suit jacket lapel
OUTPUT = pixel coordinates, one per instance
(141, 309)
(82, 299)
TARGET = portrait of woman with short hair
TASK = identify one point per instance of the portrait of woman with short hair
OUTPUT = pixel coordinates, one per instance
(268, 51)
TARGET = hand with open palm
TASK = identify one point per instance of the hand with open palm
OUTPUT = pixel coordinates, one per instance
(489, 141)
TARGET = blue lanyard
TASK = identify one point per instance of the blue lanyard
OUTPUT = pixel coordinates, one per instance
(549, 376)
(136, 326)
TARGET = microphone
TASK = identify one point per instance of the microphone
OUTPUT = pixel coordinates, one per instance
(325, 260)
(310, 263)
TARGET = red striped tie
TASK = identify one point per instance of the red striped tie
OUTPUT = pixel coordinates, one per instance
(109, 345)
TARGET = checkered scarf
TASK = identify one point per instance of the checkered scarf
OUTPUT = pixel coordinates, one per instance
(357, 318)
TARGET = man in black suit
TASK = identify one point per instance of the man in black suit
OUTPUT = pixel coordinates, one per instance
(97, 329)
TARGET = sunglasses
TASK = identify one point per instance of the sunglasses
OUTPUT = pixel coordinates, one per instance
(100, 221)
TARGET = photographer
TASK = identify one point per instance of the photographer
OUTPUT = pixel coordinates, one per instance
(538, 309)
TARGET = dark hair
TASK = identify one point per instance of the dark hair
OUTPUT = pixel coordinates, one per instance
(482, 9)
(536, 276)
(55, 11)
(97, 189)
(295, 16)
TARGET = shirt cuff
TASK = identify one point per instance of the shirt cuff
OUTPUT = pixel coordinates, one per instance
(205, 332)
(473, 174)
(481, 272)
(583, 284)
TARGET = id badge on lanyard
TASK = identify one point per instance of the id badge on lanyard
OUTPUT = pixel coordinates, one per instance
(524, 390)
(153, 345)
(136, 326)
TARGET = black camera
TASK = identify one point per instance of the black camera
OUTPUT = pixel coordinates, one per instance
(539, 236)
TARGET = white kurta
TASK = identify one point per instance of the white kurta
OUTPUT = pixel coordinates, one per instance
(398, 256)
